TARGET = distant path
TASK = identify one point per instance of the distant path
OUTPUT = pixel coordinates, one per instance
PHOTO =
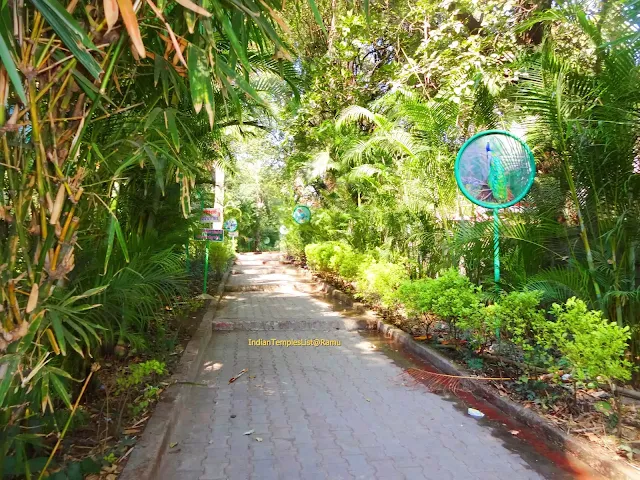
(332, 412)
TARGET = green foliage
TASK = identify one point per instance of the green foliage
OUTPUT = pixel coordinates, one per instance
(350, 262)
(139, 373)
(219, 255)
(378, 280)
(516, 316)
(594, 346)
(453, 297)
(319, 255)
(417, 296)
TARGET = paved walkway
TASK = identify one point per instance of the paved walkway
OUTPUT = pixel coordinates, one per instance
(326, 412)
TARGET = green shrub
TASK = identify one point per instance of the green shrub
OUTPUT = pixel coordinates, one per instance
(379, 280)
(139, 373)
(319, 255)
(593, 346)
(416, 296)
(219, 255)
(350, 263)
(452, 297)
(417, 300)
(293, 243)
(340, 252)
(516, 316)
(329, 256)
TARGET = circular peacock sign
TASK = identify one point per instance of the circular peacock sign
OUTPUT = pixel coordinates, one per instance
(495, 169)
(301, 214)
(231, 225)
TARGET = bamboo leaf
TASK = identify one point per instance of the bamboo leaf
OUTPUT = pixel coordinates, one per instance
(70, 32)
(317, 16)
(59, 331)
(44, 393)
(8, 366)
(176, 45)
(89, 293)
(193, 7)
(240, 81)
(81, 332)
(60, 389)
(190, 19)
(73, 341)
(121, 240)
(33, 298)
(59, 372)
(152, 117)
(10, 66)
(231, 35)
(111, 232)
(111, 13)
(131, 23)
(173, 129)
(198, 75)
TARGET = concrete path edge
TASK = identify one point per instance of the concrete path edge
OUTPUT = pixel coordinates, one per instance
(146, 457)
(598, 459)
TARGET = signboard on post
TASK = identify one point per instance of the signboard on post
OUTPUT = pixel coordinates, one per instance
(233, 234)
(210, 221)
(211, 234)
(211, 215)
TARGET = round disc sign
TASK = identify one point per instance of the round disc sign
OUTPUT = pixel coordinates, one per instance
(495, 169)
(301, 214)
(231, 225)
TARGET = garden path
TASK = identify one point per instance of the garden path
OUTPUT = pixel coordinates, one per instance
(325, 412)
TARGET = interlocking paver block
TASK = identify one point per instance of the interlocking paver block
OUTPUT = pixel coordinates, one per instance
(321, 413)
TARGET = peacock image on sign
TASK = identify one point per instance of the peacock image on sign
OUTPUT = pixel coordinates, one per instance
(301, 214)
(497, 179)
(495, 169)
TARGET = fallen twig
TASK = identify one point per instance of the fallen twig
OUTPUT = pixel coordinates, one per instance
(233, 379)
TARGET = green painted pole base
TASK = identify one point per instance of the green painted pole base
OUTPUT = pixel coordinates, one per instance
(206, 267)
(496, 247)
(496, 257)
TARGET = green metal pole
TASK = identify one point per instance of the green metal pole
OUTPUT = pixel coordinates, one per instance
(496, 258)
(206, 266)
(496, 247)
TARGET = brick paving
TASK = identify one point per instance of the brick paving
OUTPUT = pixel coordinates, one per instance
(332, 412)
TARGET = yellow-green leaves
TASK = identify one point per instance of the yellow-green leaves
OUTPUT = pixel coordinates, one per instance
(200, 81)
(70, 32)
(193, 7)
(131, 24)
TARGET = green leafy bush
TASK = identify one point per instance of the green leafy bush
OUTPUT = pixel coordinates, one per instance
(140, 372)
(593, 346)
(335, 257)
(453, 297)
(350, 263)
(293, 244)
(319, 255)
(416, 296)
(219, 255)
(417, 299)
(379, 280)
(516, 316)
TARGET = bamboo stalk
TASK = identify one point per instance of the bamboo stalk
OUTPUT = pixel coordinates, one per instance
(94, 368)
